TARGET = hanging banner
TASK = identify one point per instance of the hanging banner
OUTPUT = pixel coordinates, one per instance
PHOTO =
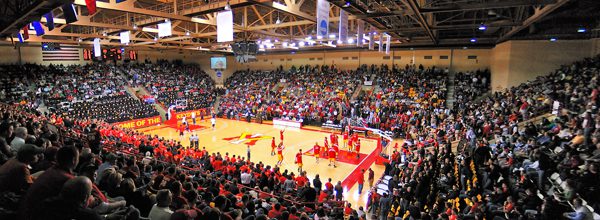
(380, 43)
(164, 29)
(225, 26)
(371, 40)
(343, 26)
(49, 21)
(387, 43)
(97, 51)
(360, 26)
(125, 37)
(322, 18)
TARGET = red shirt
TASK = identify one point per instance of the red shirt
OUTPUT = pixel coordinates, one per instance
(361, 178)
(299, 158)
(328, 186)
(331, 153)
(317, 149)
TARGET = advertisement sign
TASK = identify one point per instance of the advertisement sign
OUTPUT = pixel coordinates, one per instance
(139, 123)
(188, 114)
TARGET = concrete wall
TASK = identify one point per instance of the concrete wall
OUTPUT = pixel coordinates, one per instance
(458, 59)
(511, 63)
(515, 62)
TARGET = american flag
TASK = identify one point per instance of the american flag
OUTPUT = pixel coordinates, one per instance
(59, 52)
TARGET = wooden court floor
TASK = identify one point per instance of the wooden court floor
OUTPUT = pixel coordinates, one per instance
(225, 138)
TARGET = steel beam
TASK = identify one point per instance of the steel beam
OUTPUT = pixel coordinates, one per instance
(412, 4)
(128, 6)
(537, 15)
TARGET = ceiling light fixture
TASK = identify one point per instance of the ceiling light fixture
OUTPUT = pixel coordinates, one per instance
(227, 6)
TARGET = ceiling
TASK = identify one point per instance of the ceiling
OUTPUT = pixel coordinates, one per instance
(410, 23)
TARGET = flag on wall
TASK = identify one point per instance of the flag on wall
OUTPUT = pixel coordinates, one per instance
(343, 26)
(49, 21)
(59, 52)
(225, 26)
(322, 18)
(91, 6)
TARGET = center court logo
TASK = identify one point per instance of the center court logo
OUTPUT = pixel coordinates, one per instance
(247, 139)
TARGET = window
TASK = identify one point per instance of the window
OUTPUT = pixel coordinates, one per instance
(281, 59)
(472, 57)
(289, 59)
(397, 57)
(443, 57)
(320, 58)
(386, 57)
(312, 58)
(344, 58)
(354, 58)
(428, 57)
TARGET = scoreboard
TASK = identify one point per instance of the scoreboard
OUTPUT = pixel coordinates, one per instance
(110, 54)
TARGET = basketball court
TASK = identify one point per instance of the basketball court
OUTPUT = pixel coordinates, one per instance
(234, 137)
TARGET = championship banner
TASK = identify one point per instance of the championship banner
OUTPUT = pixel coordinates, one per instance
(371, 41)
(343, 26)
(381, 43)
(139, 123)
(225, 26)
(388, 43)
(360, 26)
(97, 51)
(322, 18)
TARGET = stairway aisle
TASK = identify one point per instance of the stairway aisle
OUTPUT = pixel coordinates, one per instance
(450, 98)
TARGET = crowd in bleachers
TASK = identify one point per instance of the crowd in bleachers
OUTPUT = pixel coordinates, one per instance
(492, 158)
(169, 82)
(87, 169)
(92, 91)
(504, 168)
(470, 85)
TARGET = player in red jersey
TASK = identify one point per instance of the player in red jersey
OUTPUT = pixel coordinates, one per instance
(345, 137)
(357, 149)
(331, 155)
(280, 154)
(273, 146)
(317, 151)
(299, 160)
(326, 145)
(281, 134)
(181, 130)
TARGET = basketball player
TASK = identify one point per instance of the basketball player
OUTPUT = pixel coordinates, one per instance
(181, 129)
(273, 146)
(299, 160)
(326, 145)
(281, 134)
(280, 154)
(332, 156)
(213, 121)
(357, 149)
(317, 151)
(345, 137)
(194, 117)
